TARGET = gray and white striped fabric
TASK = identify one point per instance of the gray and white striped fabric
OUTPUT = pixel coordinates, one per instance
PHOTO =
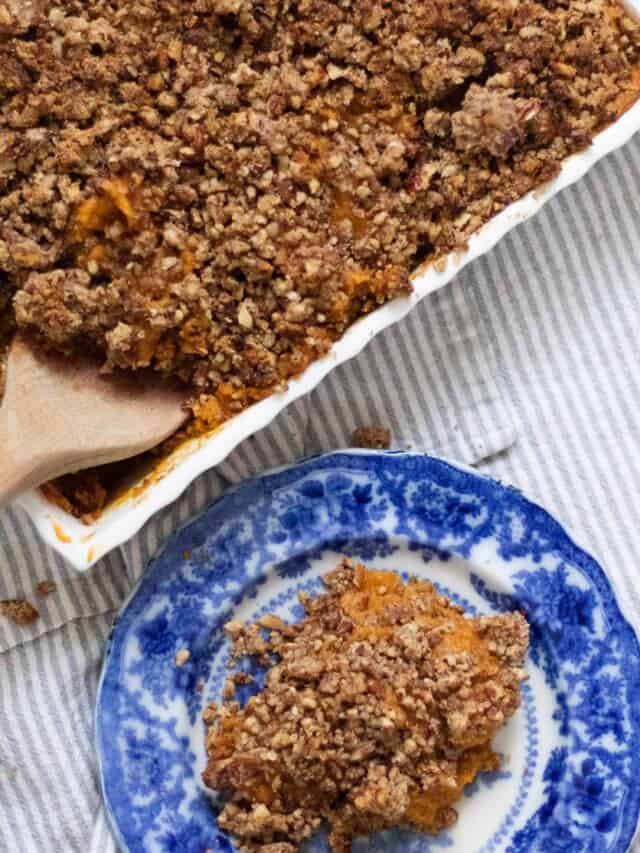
(525, 366)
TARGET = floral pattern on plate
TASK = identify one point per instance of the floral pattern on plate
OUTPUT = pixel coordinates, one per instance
(569, 781)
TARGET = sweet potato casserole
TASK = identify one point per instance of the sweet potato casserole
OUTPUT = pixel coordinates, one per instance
(217, 189)
(378, 708)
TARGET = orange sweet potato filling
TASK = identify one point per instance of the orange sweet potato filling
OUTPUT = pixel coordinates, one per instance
(100, 210)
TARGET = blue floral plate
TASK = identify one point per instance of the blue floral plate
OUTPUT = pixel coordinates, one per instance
(571, 777)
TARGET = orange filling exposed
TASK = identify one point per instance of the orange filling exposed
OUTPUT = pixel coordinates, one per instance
(100, 210)
(426, 806)
(343, 209)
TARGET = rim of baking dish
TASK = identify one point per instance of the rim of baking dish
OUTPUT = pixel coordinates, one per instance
(83, 545)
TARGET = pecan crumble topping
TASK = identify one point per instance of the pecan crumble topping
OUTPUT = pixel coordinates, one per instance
(19, 611)
(372, 437)
(378, 708)
(218, 188)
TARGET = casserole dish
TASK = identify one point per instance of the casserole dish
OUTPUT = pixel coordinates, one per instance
(82, 545)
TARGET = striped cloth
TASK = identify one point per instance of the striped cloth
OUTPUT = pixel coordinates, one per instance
(524, 366)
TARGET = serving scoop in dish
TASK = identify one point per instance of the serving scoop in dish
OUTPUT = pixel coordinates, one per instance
(61, 415)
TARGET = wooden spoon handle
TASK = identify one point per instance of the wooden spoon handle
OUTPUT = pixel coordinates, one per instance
(61, 415)
(18, 472)
(14, 482)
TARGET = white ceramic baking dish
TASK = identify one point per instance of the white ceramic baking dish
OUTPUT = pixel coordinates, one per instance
(82, 545)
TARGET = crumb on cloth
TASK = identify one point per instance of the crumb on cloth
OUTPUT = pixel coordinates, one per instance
(372, 437)
(19, 611)
(45, 587)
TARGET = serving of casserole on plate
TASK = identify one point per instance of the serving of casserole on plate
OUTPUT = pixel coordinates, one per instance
(362, 721)
(239, 194)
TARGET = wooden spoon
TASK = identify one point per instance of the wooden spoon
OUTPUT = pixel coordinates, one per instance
(61, 415)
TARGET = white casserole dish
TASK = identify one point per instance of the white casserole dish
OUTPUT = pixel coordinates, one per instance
(83, 545)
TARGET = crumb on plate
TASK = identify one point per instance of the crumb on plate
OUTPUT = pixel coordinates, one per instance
(182, 656)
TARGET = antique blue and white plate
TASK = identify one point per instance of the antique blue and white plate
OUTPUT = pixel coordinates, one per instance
(571, 776)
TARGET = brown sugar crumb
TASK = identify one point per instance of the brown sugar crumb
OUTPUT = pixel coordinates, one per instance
(45, 588)
(229, 689)
(373, 437)
(19, 611)
(378, 708)
(182, 656)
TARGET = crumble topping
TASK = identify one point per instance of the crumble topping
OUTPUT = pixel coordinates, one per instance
(218, 188)
(377, 709)
(373, 437)
(45, 588)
